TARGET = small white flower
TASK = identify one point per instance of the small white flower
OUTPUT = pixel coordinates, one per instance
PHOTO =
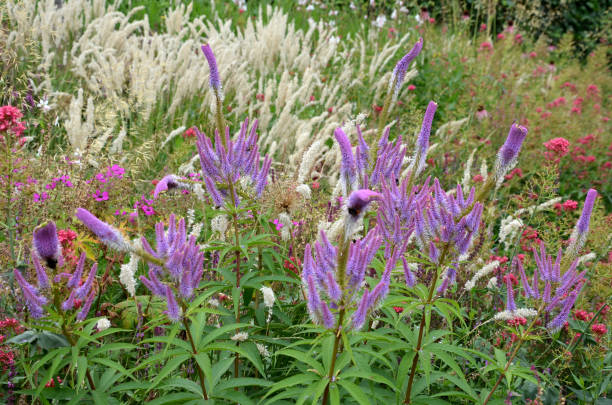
(126, 276)
(268, 296)
(103, 324)
(518, 313)
(219, 224)
(492, 283)
(213, 302)
(263, 350)
(380, 21)
(240, 337)
(310, 7)
(304, 190)
(43, 104)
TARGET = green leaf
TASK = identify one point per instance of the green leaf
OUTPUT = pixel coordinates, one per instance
(303, 357)
(81, 369)
(355, 392)
(111, 364)
(242, 382)
(301, 379)
(170, 366)
(244, 350)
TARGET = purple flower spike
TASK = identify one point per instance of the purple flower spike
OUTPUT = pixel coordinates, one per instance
(215, 81)
(69, 303)
(83, 290)
(408, 274)
(86, 306)
(558, 322)
(328, 318)
(359, 200)
(399, 72)
(75, 277)
(422, 143)
(46, 243)
(173, 312)
(41, 274)
(508, 153)
(348, 169)
(106, 233)
(360, 314)
(510, 304)
(579, 235)
(34, 300)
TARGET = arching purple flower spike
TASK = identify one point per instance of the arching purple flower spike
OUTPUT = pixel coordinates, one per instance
(408, 274)
(69, 303)
(34, 300)
(422, 144)
(399, 72)
(215, 81)
(169, 182)
(579, 234)
(558, 322)
(75, 278)
(47, 244)
(359, 200)
(508, 153)
(106, 233)
(327, 317)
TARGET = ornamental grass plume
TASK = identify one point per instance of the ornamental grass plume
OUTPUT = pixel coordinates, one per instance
(225, 163)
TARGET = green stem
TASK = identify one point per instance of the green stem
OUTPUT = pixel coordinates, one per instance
(342, 261)
(237, 247)
(68, 336)
(195, 353)
(423, 326)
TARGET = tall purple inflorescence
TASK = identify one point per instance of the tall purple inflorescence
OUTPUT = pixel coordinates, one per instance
(228, 161)
(579, 234)
(70, 284)
(399, 72)
(332, 288)
(215, 80)
(422, 144)
(178, 265)
(508, 153)
(558, 292)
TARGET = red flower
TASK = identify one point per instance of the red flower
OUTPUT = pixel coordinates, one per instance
(398, 310)
(599, 329)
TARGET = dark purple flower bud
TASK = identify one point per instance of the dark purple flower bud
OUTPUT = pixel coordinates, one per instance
(399, 72)
(34, 300)
(86, 306)
(509, 151)
(46, 244)
(215, 81)
(169, 182)
(173, 312)
(106, 233)
(41, 274)
(359, 200)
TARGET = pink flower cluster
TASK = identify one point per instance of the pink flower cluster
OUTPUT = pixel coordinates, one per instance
(557, 148)
(9, 122)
